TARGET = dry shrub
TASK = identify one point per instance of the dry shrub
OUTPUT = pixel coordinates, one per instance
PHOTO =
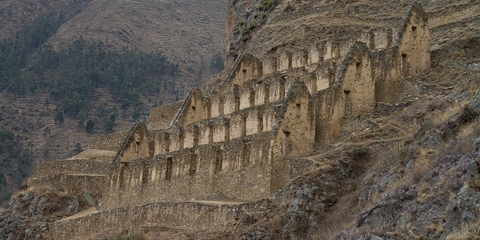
(301, 225)
(336, 131)
(360, 154)
(275, 226)
(359, 157)
(421, 166)
(469, 231)
(466, 116)
(449, 130)
(126, 236)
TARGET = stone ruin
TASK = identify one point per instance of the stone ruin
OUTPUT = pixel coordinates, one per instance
(243, 138)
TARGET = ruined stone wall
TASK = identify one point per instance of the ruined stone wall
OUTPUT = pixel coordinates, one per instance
(299, 58)
(269, 65)
(284, 61)
(356, 81)
(247, 98)
(137, 145)
(383, 38)
(233, 170)
(294, 135)
(295, 131)
(221, 130)
(329, 107)
(262, 92)
(409, 56)
(73, 166)
(72, 183)
(172, 215)
(161, 117)
(413, 42)
(218, 106)
(386, 72)
(205, 133)
(232, 104)
(235, 125)
(315, 54)
(195, 108)
(235, 142)
(248, 68)
(110, 142)
(277, 91)
(191, 136)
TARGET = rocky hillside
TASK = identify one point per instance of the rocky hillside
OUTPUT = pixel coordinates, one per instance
(409, 171)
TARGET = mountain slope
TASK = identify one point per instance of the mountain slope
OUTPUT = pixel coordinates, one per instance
(189, 34)
(406, 171)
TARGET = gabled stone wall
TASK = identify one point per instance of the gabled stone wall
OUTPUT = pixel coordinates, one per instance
(161, 117)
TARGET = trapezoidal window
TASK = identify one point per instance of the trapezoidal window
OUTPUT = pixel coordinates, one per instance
(168, 169)
(358, 68)
(137, 147)
(244, 73)
(405, 64)
(298, 109)
(287, 146)
(193, 111)
(414, 31)
(348, 102)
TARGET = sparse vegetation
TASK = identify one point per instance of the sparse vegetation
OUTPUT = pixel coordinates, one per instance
(253, 18)
(266, 5)
(16, 163)
(127, 237)
(73, 73)
(90, 125)
(78, 147)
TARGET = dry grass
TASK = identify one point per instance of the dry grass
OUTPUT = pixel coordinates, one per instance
(466, 232)
(446, 115)
(275, 225)
(468, 131)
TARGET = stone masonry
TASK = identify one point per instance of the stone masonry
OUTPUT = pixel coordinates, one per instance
(239, 139)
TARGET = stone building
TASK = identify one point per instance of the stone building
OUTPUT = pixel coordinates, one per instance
(243, 138)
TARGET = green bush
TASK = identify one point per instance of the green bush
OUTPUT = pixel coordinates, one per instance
(90, 125)
(266, 5)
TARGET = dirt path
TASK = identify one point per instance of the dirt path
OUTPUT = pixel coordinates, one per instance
(80, 214)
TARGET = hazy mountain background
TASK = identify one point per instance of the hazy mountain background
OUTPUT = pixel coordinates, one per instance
(71, 70)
